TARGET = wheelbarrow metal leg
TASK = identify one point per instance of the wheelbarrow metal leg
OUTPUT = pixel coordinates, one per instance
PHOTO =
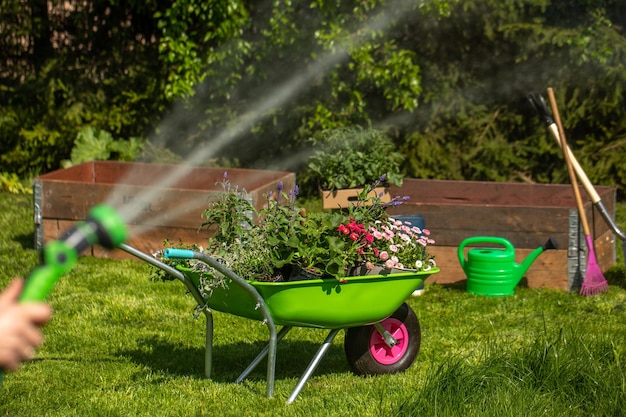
(313, 364)
(263, 354)
(208, 353)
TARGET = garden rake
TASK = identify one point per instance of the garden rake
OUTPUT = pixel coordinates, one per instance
(539, 104)
(594, 281)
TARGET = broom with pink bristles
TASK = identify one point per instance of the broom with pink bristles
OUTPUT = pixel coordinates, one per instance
(594, 281)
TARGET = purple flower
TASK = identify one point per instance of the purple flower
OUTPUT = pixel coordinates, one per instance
(225, 175)
(280, 186)
(383, 178)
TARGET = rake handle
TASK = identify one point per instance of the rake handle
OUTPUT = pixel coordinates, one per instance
(568, 162)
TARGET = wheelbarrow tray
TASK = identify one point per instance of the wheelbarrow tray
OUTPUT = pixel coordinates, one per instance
(319, 303)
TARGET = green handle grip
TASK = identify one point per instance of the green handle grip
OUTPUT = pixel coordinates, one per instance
(58, 259)
(174, 253)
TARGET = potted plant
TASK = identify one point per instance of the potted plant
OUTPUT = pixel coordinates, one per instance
(288, 244)
(348, 158)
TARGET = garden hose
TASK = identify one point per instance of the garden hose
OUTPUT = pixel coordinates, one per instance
(103, 226)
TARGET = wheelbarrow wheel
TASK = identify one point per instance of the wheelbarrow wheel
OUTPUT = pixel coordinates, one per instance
(367, 352)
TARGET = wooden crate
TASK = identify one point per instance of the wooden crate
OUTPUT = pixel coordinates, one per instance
(346, 197)
(158, 201)
(525, 214)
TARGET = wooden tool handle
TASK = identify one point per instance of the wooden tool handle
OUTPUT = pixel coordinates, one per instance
(570, 168)
(582, 176)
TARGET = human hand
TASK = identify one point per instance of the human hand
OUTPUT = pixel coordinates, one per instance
(20, 326)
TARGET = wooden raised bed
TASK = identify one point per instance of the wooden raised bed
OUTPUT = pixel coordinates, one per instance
(170, 199)
(525, 214)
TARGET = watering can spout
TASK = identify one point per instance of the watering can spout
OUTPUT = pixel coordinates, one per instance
(523, 267)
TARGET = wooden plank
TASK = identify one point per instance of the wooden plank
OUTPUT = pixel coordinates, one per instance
(167, 176)
(151, 241)
(524, 227)
(146, 240)
(489, 193)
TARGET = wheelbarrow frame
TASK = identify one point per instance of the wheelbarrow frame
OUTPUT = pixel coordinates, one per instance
(261, 306)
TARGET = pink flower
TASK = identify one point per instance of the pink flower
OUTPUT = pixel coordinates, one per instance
(393, 248)
(390, 264)
(384, 256)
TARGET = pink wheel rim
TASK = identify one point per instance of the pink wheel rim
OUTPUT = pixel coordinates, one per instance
(379, 350)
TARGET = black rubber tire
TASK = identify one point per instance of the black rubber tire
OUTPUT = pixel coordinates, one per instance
(357, 342)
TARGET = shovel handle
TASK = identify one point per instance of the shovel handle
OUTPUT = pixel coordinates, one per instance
(580, 173)
(540, 106)
(570, 167)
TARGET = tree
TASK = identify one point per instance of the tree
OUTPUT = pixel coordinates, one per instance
(249, 82)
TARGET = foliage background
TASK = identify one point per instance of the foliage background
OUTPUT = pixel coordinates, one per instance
(251, 81)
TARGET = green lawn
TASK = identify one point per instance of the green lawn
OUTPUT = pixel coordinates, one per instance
(123, 345)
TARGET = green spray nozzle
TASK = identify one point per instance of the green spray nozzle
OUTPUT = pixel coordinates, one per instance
(103, 226)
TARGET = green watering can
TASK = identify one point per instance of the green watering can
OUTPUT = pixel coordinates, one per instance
(493, 271)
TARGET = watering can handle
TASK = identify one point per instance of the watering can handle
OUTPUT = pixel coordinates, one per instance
(482, 239)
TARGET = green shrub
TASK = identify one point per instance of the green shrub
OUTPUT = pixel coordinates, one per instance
(351, 157)
(11, 182)
(99, 145)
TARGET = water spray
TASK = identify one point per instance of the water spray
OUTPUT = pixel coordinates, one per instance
(103, 226)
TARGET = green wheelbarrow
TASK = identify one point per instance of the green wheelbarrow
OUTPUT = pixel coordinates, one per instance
(382, 332)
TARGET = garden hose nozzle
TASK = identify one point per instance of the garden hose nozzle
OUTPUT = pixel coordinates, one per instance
(103, 226)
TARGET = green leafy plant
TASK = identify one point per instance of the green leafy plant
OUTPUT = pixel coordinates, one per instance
(236, 241)
(351, 157)
(99, 145)
(282, 242)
